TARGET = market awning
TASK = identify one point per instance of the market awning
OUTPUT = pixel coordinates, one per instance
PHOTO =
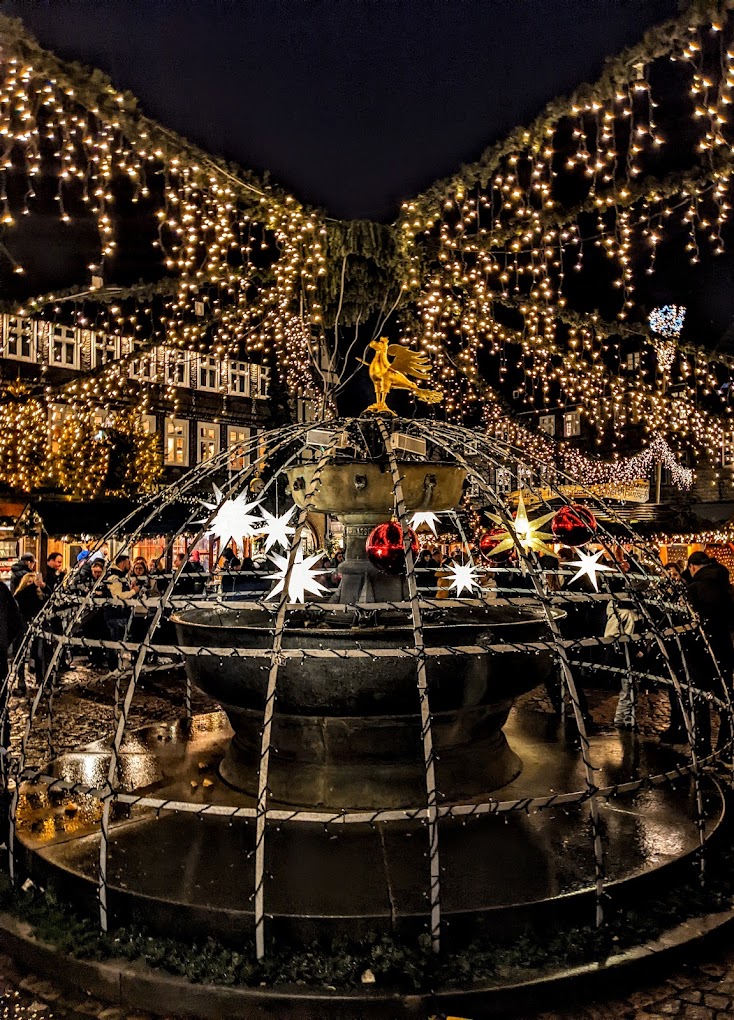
(95, 517)
(11, 510)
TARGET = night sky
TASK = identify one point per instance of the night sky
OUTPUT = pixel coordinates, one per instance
(354, 105)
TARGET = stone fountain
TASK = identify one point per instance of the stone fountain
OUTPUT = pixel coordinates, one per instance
(347, 732)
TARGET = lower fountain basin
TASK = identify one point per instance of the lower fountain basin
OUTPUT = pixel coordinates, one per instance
(383, 681)
(347, 731)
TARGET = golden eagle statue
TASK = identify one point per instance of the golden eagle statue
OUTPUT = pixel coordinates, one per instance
(393, 375)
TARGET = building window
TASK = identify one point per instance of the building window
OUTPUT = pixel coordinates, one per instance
(572, 424)
(239, 378)
(259, 381)
(547, 424)
(176, 368)
(207, 445)
(503, 481)
(20, 338)
(105, 348)
(475, 489)
(632, 360)
(238, 458)
(208, 375)
(150, 424)
(177, 441)
(727, 451)
(142, 368)
(525, 476)
(64, 347)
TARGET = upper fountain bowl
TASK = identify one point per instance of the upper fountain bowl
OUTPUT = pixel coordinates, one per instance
(366, 487)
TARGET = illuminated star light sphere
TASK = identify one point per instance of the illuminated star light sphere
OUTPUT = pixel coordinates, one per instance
(464, 576)
(528, 532)
(424, 517)
(589, 566)
(277, 529)
(667, 321)
(234, 517)
(302, 579)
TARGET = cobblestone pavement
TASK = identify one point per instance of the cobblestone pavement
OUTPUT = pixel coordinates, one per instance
(700, 989)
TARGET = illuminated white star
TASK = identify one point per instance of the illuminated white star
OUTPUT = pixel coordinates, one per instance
(277, 529)
(424, 517)
(302, 577)
(463, 576)
(589, 567)
(234, 517)
(527, 532)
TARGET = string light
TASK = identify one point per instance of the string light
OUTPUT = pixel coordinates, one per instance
(480, 262)
(667, 323)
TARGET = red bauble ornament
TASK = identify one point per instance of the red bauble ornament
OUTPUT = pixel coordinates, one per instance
(385, 549)
(489, 541)
(574, 525)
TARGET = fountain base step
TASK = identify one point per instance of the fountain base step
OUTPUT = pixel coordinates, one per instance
(195, 875)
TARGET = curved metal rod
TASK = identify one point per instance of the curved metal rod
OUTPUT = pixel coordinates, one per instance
(429, 762)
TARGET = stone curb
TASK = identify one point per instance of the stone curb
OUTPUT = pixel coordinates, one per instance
(140, 988)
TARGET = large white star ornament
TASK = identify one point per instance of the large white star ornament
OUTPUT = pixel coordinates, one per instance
(464, 576)
(589, 567)
(276, 529)
(424, 517)
(234, 517)
(302, 579)
(528, 532)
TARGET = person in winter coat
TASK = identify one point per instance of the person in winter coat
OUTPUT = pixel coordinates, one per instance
(621, 620)
(54, 573)
(709, 594)
(116, 612)
(25, 565)
(11, 627)
(30, 596)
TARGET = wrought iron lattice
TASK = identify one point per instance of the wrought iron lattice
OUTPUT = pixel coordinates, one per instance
(670, 635)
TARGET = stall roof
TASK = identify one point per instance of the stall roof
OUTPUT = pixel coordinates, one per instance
(95, 517)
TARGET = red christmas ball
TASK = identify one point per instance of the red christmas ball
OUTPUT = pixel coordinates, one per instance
(385, 549)
(574, 525)
(489, 541)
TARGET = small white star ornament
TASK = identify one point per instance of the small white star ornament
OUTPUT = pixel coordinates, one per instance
(464, 577)
(302, 579)
(277, 529)
(589, 566)
(234, 517)
(424, 517)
